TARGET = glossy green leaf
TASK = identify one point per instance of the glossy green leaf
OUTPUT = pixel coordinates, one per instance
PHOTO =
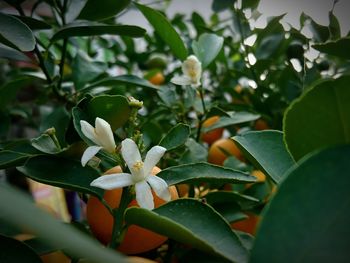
(22, 212)
(11, 158)
(207, 48)
(244, 201)
(176, 137)
(33, 23)
(12, 54)
(235, 118)
(337, 47)
(16, 34)
(203, 172)
(60, 172)
(103, 9)
(13, 250)
(85, 28)
(318, 119)
(315, 202)
(221, 5)
(165, 30)
(44, 143)
(267, 151)
(195, 152)
(183, 220)
(114, 109)
(122, 80)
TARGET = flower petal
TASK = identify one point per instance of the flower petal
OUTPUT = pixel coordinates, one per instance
(88, 131)
(152, 158)
(89, 153)
(192, 68)
(112, 181)
(130, 152)
(104, 134)
(181, 80)
(144, 195)
(160, 187)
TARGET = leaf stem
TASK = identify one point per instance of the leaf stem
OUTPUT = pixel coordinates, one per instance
(64, 47)
(201, 116)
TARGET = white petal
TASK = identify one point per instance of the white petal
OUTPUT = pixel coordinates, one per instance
(89, 153)
(181, 80)
(144, 195)
(160, 187)
(152, 158)
(112, 181)
(104, 134)
(130, 152)
(192, 68)
(88, 131)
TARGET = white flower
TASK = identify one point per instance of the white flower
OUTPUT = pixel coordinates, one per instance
(192, 71)
(101, 135)
(140, 175)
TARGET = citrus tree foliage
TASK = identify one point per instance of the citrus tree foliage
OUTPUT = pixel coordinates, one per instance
(256, 140)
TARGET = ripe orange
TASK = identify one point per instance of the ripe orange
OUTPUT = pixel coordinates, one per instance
(260, 125)
(137, 240)
(157, 79)
(247, 225)
(217, 155)
(211, 136)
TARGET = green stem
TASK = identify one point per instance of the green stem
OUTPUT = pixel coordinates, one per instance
(64, 48)
(118, 214)
(201, 116)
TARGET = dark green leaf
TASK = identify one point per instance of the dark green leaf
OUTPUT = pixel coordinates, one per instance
(44, 143)
(165, 30)
(183, 220)
(11, 158)
(308, 126)
(33, 23)
(13, 250)
(235, 118)
(22, 212)
(122, 80)
(195, 152)
(176, 137)
(334, 27)
(12, 54)
(15, 33)
(267, 151)
(39, 246)
(103, 9)
(250, 4)
(307, 219)
(85, 28)
(269, 46)
(337, 47)
(9, 90)
(221, 5)
(244, 201)
(207, 48)
(320, 33)
(203, 172)
(60, 172)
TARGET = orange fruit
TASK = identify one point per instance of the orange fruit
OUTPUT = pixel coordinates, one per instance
(157, 79)
(136, 240)
(217, 151)
(134, 259)
(55, 257)
(247, 225)
(260, 125)
(214, 135)
(259, 175)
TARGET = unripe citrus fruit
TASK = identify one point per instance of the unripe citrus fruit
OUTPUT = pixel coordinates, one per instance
(213, 135)
(221, 149)
(137, 240)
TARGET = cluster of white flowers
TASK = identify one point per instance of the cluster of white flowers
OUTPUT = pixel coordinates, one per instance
(140, 175)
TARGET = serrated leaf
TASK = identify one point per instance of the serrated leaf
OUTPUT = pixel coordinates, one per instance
(267, 151)
(308, 127)
(165, 30)
(203, 172)
(314, 229)
(64, 173)
(176, 137)
(183, 220)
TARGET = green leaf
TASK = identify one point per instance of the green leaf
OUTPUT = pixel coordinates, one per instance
(203, 172)
(183, 221)
(267, 151)
(114, 109)
(22, 212)
(85, 28)
(235, 118)
(12, 54)
(336, 48)
(44, 143)
(318, 119)
(13, 250)
(15, 33)
(244, 201)
(320, 33)
(165, 30)
(60, 172)
(122, 80)
(269, 46)
(9, 90)
(11, 158)
(207, 48)
(253, 4)
(315, 202)
(103, 9)
(221, 5)
(176, 137)
(195, 152)
(33, 23)
(334, 26)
